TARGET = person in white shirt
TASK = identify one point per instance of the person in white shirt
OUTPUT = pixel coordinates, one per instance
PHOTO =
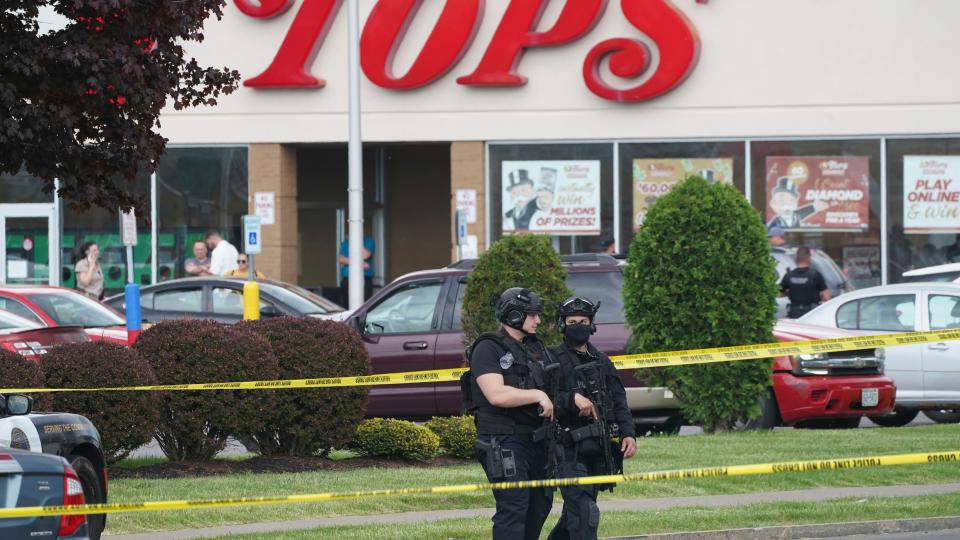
(223, 257)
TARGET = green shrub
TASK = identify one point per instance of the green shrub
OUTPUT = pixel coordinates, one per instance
(699, 275)
(310, 421)
(457, 434)
(19, 372)
(195, 425)
(389, 437)
(522, 260)
(125, 420)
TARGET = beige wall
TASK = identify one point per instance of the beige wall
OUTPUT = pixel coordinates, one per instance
(768, 68)
(467, 172)
(273, 167)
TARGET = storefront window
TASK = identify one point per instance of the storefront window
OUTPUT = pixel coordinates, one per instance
(824, 195)
(560, 190)
(923, 204)
(102, 227)
(22, 188)
(650, 170)
(198, 190)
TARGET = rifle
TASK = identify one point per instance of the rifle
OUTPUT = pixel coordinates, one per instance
(551, 430)
(594, 386)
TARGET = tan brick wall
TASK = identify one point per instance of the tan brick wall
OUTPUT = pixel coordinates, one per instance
(273, 167)
(467, 172)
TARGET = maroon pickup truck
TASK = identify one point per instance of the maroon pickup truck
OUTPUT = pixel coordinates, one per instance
(413, 324)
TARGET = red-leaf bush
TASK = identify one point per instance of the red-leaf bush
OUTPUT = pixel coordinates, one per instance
(313, 420)
(194, 425)
(19, 372)
(125, 420)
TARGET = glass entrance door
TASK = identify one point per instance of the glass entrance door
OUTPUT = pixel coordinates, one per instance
(29, 252)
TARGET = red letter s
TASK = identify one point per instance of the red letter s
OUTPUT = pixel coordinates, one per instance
(676, 38)
(449, 40)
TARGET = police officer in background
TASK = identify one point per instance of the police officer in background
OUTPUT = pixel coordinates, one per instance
(507, 386)
(805, 287)
(597, 430)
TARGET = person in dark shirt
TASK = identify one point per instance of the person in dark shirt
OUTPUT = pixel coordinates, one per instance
(578, 414)
(507, 381)
(804, 286)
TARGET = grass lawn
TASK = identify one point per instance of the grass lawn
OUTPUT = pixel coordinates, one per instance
(658, 453)
(674, 519)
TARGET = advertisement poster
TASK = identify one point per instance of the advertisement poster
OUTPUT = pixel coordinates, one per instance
(559, 198)
(654, 178)
(823, 193)
(931, 194)
(862, 265)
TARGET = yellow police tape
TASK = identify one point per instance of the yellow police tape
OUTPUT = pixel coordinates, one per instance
(703, 472)
(630, 361)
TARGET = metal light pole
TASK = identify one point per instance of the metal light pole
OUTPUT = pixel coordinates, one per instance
(355, 159)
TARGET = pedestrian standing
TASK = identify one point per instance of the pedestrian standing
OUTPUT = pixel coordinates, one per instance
(223, 256)
(88, 271)
(506, 382)
(596, 426)
(803, 285)
(369, 247)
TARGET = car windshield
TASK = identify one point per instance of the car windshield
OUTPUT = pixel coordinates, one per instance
(68, 308)
(603, 287)
(9, 321)
(300, 299)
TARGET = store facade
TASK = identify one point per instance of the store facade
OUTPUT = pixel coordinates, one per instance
(839, 122)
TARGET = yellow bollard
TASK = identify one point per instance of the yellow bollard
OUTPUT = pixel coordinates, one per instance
(251, 301)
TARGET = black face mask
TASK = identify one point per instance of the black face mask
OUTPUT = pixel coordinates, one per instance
(577, 334)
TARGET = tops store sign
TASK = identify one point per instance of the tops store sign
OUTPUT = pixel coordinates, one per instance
(675, 36)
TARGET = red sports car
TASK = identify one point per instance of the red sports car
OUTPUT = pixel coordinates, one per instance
(57, 306)
(32, 339)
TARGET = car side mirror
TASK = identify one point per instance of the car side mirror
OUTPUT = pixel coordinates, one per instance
(268, 312)
(18, 404)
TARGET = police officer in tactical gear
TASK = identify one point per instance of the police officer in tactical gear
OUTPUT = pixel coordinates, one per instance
(507, 386)
(597, 430)
(805, 287)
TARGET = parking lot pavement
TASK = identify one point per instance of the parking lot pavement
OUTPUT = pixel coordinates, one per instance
(952, 534)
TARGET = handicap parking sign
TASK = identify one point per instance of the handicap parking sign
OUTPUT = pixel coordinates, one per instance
(251, 235)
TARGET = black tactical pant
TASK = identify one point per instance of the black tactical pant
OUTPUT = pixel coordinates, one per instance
(581, 515)
(520, 512)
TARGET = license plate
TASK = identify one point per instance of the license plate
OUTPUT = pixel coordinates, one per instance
(869, 397)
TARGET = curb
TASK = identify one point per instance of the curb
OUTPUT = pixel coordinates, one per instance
(823, 530)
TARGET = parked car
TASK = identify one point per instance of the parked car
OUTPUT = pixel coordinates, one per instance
(927, 375)
(31, 339)
(75, 461)
(58, 306)
(221, 299)
(837, 282)
(941, 272)
(414, 324)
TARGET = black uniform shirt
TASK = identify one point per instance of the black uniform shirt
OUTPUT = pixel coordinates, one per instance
(803, 286)
(620, 414)
(488, 356)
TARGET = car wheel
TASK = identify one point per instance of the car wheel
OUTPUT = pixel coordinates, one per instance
(93, 492)
(899, 418)
(769, 416)
(833, 423)
(946, 416)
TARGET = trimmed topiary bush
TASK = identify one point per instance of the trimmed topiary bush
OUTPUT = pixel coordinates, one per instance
(309, 421)
(389, 437)
(457, 434)
(19, 372)
(522, 260)
(125, 420)
(195, 425)
(700, 275)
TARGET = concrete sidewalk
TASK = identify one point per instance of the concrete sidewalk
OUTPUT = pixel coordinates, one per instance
(716, 501)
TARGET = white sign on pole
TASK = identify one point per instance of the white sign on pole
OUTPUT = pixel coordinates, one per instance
(467, 200)
(264, 206)
(128, 228)
(252, 240)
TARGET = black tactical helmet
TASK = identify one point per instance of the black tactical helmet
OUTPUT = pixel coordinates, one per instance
(514, 304)
(576, 305)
